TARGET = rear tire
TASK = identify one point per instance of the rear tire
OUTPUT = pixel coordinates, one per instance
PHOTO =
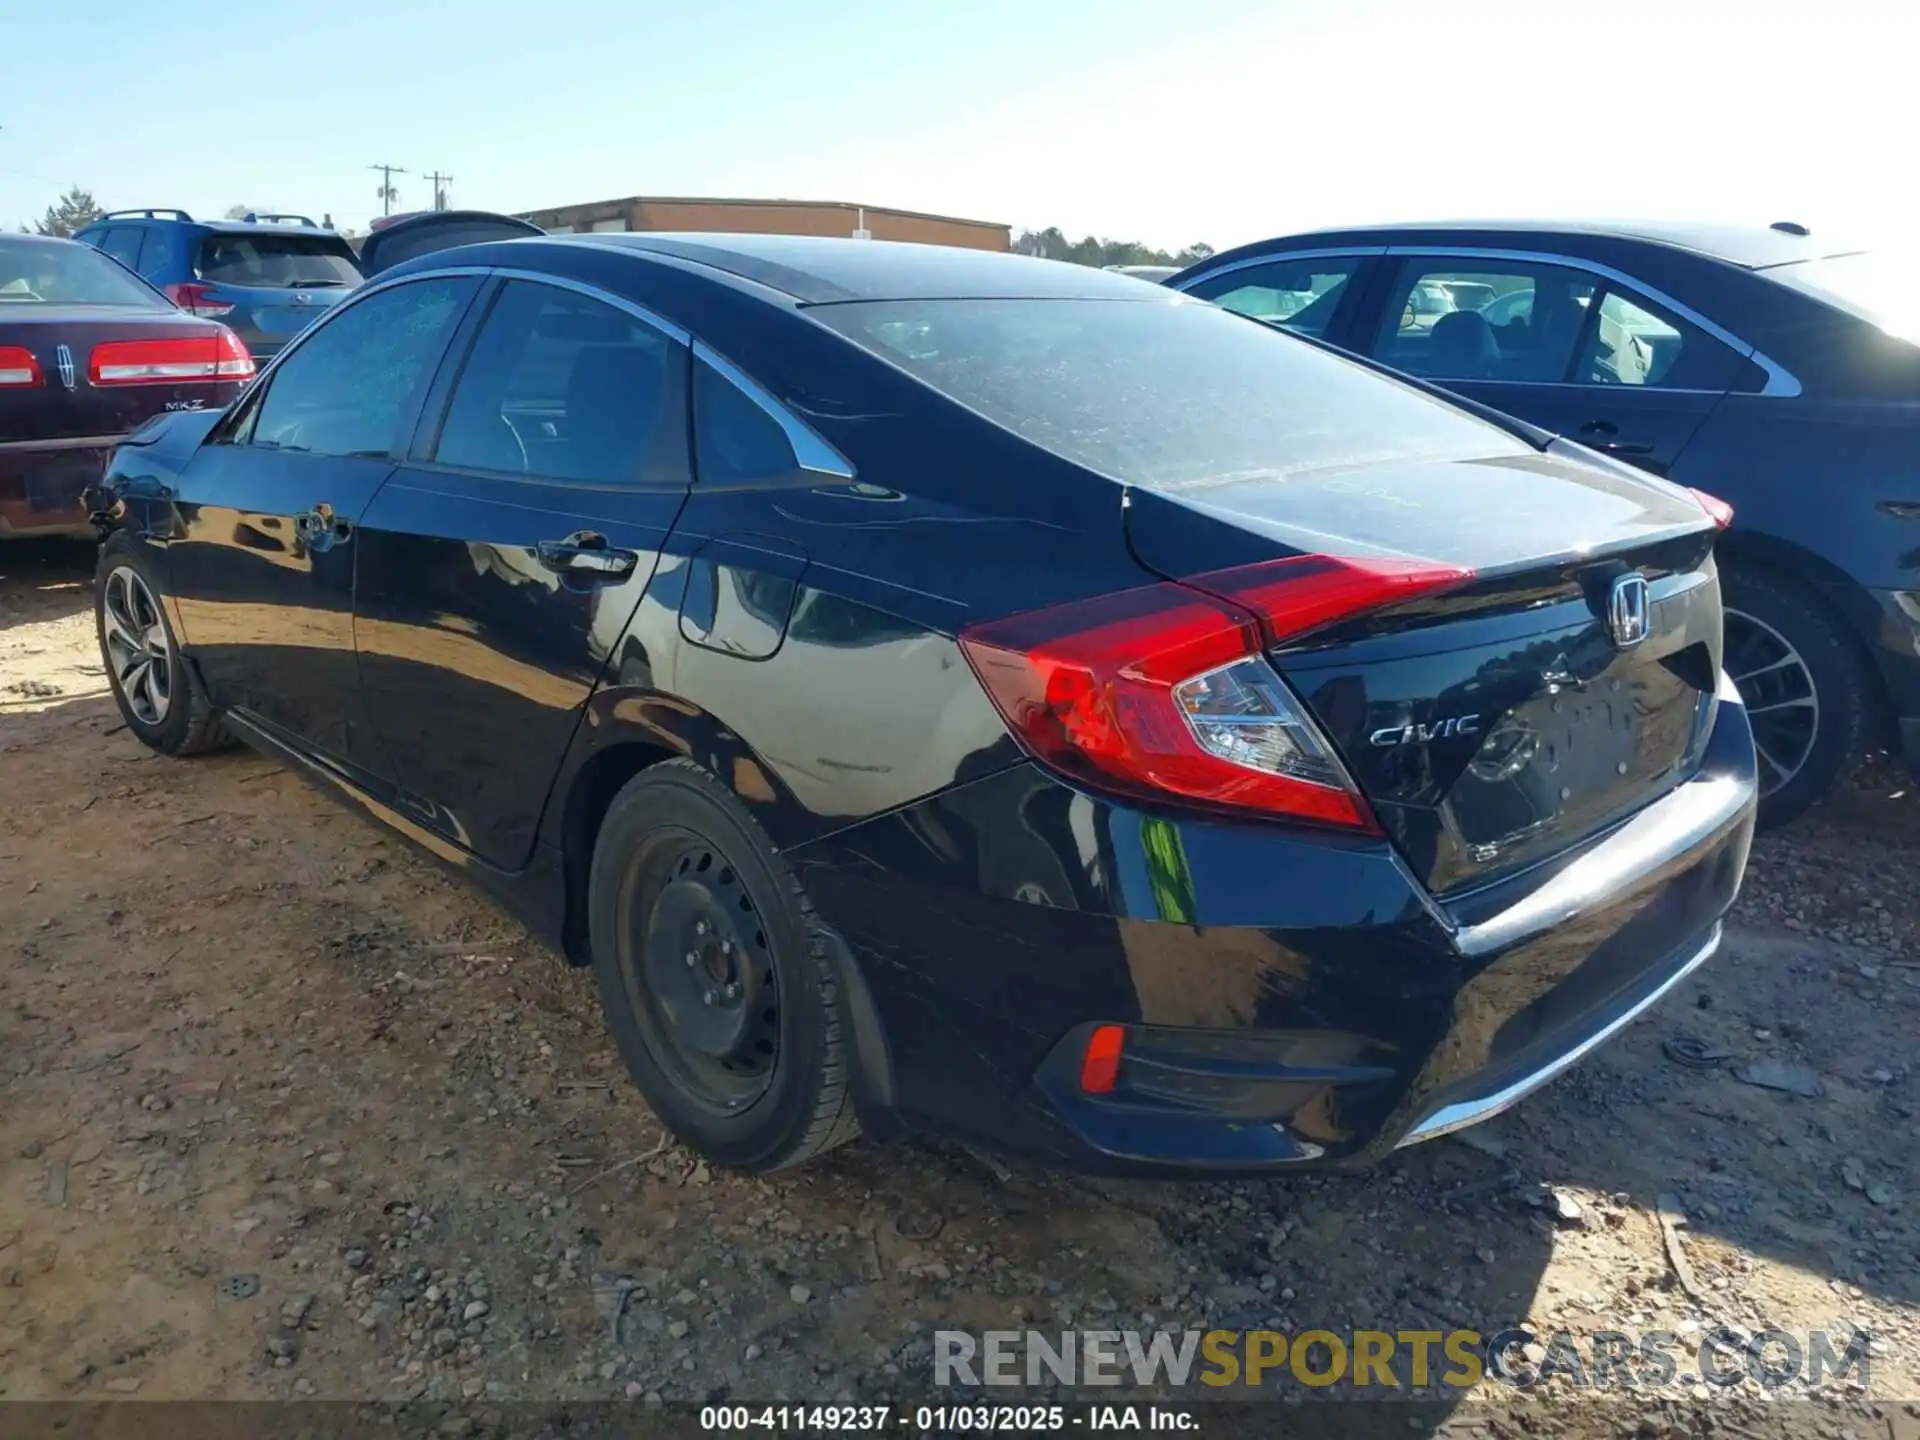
(158, 694)
(1805, 684)
(716, 980)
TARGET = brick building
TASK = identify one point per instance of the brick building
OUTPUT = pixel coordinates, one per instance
(771, 217)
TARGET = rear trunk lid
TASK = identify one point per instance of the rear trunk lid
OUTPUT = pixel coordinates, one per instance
(65, 404)
(1498, 723)
(277, 282)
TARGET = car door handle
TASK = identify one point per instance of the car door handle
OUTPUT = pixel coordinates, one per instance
(585, 553)
(1598, 435)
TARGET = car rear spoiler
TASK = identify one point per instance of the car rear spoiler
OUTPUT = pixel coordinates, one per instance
(432, 230)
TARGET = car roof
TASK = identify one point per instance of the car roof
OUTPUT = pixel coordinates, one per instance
(825, 270)
(27, 239)
(1752, 247)
(220, 227)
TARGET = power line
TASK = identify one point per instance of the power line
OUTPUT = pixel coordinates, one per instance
(439, 182)
(387, 192)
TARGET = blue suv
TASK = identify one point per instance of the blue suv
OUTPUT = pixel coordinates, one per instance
(266, 277)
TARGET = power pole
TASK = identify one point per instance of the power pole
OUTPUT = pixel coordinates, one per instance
(387, 192)
(439, 183)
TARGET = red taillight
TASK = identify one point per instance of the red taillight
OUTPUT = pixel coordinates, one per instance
(18, 368)
(197, 298)
(1100, 1065)
(1718, 510)
(1164, 692)
(1309, 592)
(171, 361)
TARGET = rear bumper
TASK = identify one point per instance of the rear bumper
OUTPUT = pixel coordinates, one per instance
(42, 483)
(1288, 1000)
(1500, 1089)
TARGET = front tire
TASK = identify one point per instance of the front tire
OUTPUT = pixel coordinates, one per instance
(1805, 685)
(716, 980)
(158, 694)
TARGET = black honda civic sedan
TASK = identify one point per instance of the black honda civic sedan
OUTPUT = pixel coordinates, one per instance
(1772, 366)
(957, 691)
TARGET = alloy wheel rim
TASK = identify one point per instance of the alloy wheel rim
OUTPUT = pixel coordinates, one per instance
(703, 974)
(1783, 705)
(139, 655)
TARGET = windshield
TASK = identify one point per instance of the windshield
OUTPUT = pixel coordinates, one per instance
(1163, 394)
(1875, 285)
(283, 262)
(67, 273)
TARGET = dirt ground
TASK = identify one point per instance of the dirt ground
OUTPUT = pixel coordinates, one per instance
(284, 1111)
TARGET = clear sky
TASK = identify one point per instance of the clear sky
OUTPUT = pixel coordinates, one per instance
(1216, 120)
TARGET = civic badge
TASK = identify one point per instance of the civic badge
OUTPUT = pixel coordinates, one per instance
(63, 357)
(1627, 611)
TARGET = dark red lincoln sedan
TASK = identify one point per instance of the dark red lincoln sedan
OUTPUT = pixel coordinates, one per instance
(88, 350)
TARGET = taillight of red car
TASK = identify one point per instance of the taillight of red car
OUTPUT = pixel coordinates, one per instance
(1165, 692)
(1718, 510)
(18, 368)
(170, 360)
(196, 297)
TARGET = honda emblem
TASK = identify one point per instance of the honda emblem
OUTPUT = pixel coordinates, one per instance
(1627, 611)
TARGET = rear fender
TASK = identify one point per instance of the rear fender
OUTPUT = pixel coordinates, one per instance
(140, 491)
(637, 717)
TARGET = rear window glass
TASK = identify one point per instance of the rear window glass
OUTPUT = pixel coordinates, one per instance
(284, 262)
(1874, 285)
(1163, 394)
(67, 273)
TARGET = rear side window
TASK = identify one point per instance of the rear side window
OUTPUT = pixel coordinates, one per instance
(566, 387)
(66, 272)
(122, 242)
(346, 389)
(1633, 343)
(1169, 394)
(735, 439)
(1485, 320)
(278, 262)
(1299, 294)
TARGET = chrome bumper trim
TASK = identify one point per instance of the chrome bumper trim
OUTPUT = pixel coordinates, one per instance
(1461, 1114)
(65, 442)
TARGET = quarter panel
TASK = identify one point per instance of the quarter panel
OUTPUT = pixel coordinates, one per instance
(858, 711)
(1838, 482)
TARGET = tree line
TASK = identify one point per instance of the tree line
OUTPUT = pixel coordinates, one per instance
(1050, 244)
(76, 210)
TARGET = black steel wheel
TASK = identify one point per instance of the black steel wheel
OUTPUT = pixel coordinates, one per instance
(699, 972)
(719, 986)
